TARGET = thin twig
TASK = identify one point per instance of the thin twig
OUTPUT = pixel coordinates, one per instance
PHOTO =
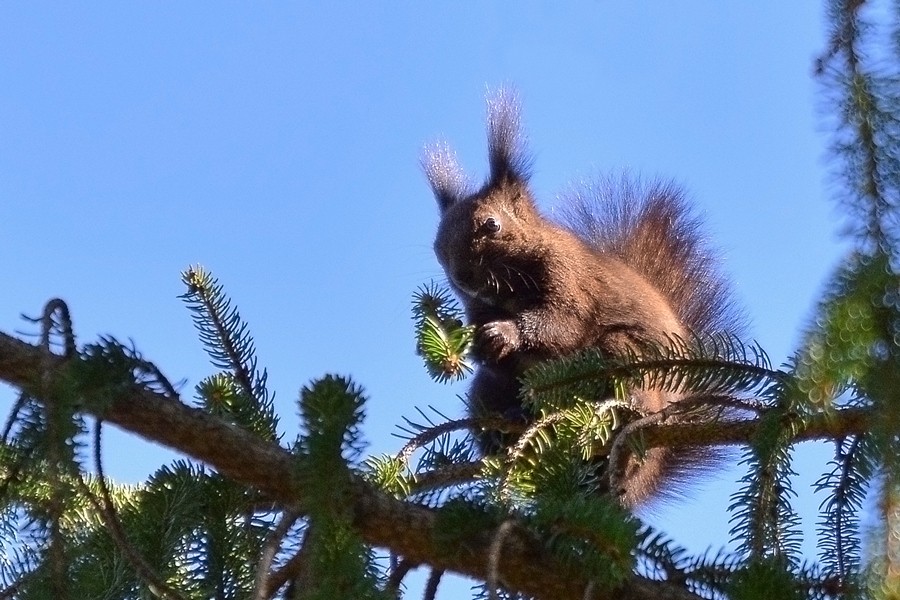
(107, 509)
(56, 505)
(16, 586)
(494, 553)
(292, 570)
(431, 586)
(398, 572)
(432, 433)
(262, 591)
(616, 449)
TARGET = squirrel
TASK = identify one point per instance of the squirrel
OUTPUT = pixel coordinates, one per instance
(626, 269)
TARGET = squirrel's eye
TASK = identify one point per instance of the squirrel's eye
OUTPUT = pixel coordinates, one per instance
(491, 225)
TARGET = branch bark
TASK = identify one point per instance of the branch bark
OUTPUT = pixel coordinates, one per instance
(405, 528)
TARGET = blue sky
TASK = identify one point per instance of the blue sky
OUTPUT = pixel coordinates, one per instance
(277, 145)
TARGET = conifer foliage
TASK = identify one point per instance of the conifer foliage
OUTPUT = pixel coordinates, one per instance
(314, 518)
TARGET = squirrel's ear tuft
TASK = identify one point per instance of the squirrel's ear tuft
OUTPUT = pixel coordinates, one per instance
(448, 182)
(507, 152)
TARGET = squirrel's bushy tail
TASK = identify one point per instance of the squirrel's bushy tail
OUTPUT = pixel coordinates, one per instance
(650, 227)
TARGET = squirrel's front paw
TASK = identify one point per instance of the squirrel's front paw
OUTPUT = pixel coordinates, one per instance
(494, 341)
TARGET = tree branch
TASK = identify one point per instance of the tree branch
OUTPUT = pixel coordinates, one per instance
(381, 520)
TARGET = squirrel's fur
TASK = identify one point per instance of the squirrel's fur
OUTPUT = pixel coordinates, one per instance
(625, 269)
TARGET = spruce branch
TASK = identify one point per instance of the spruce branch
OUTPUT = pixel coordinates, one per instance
(11, 590)
(839, 545)
(492, 583)
(339, 563)
(446, 477)
(106, 508)
(220, 326)
(431, 586)
(765, 524)
(229, 344)
(656, 432)
(270, 549)
(441, 338)
(664, 560)
(424, 435)
(405, 528)
(399, 570)
(292, 573)
(866, 106)
(616, 464)
(718, 365)
(62, 426)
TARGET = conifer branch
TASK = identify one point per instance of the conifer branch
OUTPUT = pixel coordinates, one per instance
(496, 549)
(868, 117)
(220, 327)
(442, 339)
(399, 570)
(105, 507)
(57, 437)
(616, 464)
(448, 476)
(265, 585)
(13, 589)
(839, 547)
(291, 571)
(431, 586)
(242, 390)
(407, 529)
(432, 433)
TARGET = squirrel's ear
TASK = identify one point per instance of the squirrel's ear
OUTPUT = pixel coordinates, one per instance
(448, 182)
(507, 153)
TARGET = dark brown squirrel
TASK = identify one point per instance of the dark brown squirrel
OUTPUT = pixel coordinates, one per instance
(628, 269)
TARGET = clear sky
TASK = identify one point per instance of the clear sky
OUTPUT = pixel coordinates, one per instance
(277, 145)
